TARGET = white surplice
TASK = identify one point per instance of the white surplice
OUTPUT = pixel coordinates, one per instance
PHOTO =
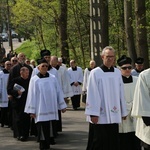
(76, 76)
(64, 80)
(53, 71)
(3, 89)
(128, 125)
(45, 98)
(141, 105)
(105, 96)
(85, 79)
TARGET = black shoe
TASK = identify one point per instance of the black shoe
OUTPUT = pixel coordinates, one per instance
(52, 141)
(2, 125)
(22, 138)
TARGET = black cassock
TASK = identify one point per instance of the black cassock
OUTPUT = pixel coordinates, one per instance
(21, 120)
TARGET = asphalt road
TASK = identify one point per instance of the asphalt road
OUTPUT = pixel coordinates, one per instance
(15, 44)
(73, 137)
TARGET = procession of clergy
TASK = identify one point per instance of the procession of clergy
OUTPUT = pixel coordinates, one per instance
(32, 98)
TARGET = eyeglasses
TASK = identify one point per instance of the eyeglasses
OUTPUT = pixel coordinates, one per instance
(44, 66)
(14, 60)
(8, 64)
(127, 67)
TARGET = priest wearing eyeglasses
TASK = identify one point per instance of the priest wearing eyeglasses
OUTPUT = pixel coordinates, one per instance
(105, 106)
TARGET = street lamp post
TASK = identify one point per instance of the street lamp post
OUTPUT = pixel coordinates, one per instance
(98, 28)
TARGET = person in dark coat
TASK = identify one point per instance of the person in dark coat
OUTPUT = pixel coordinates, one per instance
(15, 72)
(19, 89)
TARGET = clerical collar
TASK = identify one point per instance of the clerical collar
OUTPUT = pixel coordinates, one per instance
(106, 69)
(57, 67)
(139, 71)
(127, 79)
(89, 69)
(74, 69)
(43, 76)
(5, 71)
(49, 67)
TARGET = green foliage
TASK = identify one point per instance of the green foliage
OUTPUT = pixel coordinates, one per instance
(38, 20)
(29, 49)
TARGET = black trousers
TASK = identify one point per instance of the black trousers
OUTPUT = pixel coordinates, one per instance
(4, 116)
(43, 129)
(21, 123)
(128, 141)
(75, 101)
(90, 136)
(105, 137)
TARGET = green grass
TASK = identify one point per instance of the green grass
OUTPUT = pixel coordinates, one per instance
(29, 49)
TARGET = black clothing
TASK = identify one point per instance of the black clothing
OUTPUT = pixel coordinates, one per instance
(106, 69)
(5, 110)
(75, 101)
(138, 70)
(103, 133)
(75, 68)
(127, 79)
(43, 129)
(15, 71)
(21, 120)
(146, 120)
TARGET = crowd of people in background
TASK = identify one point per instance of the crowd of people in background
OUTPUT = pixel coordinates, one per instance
(33, 94)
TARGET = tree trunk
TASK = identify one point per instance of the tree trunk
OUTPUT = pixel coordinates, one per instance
(141, 32)
(129, 29)
(63, 30)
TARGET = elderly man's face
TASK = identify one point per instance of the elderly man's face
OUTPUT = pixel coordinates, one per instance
(22, 58)
(108, 58)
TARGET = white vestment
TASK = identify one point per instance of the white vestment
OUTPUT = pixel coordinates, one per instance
(53, 71)
(105, 96)
(128, 125)
(141, 105)
(44, 98)
(76, 76)
(85, 79)
(3, 89)
(64, 80)
(135, 73)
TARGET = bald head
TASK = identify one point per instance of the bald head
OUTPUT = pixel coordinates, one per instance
(54, 61)
(21, 57)
(92, 64)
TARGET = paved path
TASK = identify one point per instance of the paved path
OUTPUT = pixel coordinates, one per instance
(16, 44)
(73, 137)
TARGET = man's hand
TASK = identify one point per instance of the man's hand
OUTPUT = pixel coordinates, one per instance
(94, 119)
(19, 93)
(124, 118)
(63, 110)
(76, 84)
(32, 115)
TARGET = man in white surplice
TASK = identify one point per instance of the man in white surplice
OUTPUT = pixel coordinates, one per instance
(141, 108)
(76, 79)
(127, 138)
(105, 106)
(44, 99)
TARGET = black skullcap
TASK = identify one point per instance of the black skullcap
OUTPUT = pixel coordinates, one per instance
(139, 60)
(45, 52)
(40, 61)
(124, 60)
